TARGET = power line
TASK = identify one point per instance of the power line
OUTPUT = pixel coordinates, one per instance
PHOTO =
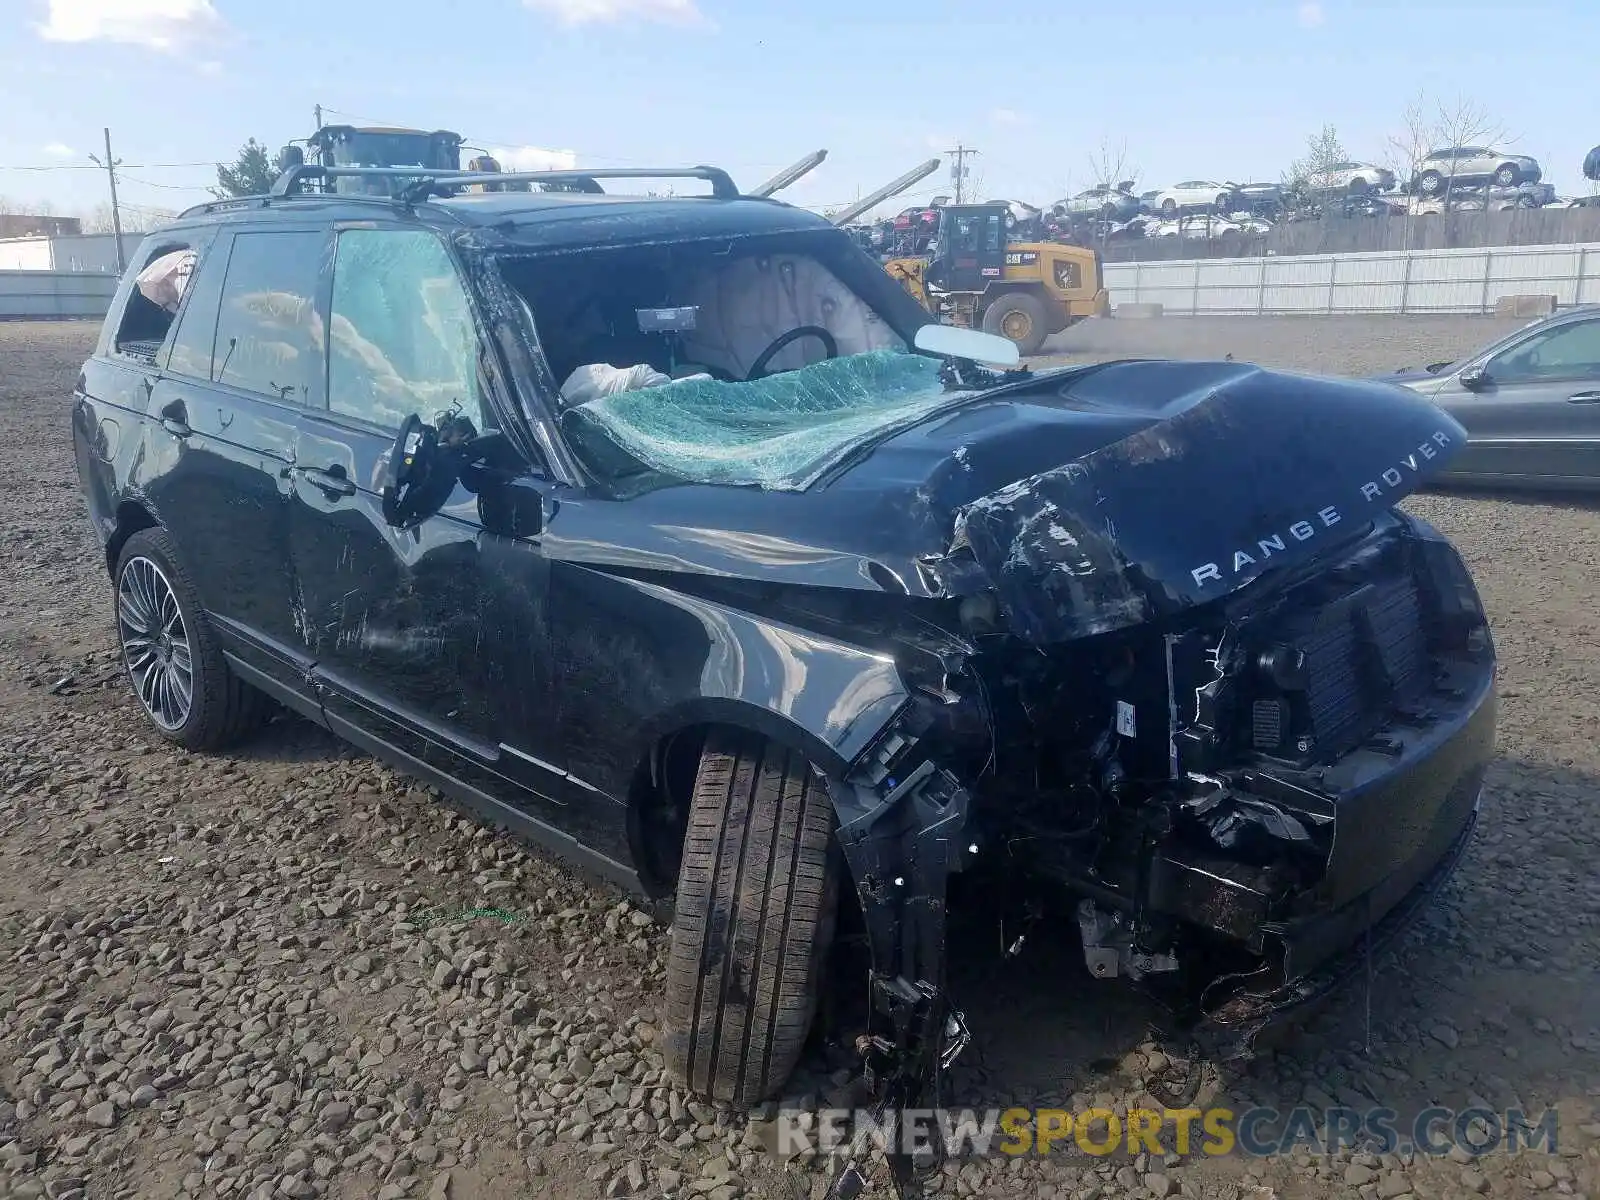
(93, 167)
(175, 187)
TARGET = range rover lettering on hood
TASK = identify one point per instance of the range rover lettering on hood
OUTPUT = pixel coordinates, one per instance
(1378, 490)
(1237, 472)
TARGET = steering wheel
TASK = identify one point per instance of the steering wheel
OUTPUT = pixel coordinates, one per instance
(758, 369)
(410, 463)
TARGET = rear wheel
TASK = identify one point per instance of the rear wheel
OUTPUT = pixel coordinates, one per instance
(170, 653)
(1430, 182)
(753, 922)
(1019, 316)
(1169, 207)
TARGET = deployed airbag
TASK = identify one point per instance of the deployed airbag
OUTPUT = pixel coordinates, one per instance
(782, 432)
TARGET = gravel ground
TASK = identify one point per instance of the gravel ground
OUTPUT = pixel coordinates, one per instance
(291, 972)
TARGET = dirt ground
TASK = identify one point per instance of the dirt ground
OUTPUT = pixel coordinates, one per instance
(290, 972)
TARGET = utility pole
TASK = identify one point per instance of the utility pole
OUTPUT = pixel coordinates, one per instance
(958, 172)
(318, 112)
(111, 166)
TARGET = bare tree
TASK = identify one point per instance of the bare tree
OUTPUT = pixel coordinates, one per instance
(1110, 166)
(1324, 151)
(98, 219)
(136, 219)
(1438, 125)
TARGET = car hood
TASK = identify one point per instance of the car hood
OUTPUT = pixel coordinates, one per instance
(1083, 502)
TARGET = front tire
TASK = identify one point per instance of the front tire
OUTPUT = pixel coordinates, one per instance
(1019, 316)
(1507, 175)
(171, 654)
(753, 922)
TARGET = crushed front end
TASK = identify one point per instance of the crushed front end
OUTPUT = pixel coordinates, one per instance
(1238, 802)
(1241, 797)
(1238, 717)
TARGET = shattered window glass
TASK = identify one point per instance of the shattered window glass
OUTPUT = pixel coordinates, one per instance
(402, 338)
(780, 433)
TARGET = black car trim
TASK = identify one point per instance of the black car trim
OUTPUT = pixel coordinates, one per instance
(248, 639)
(492, 809)
(390, 709)
(552, 768)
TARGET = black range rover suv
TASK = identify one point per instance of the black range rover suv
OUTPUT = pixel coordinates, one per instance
(669, 533)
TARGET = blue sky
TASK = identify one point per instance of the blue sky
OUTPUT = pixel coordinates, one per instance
(1194, 90)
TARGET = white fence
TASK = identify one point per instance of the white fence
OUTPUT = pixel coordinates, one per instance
(1416, 281)
(47, 294)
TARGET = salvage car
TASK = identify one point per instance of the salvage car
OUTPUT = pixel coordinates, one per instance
(1196, 194)
(670, 533)
(1530, 404)
(1110, 203)
(1443, 169)
(1353, 178)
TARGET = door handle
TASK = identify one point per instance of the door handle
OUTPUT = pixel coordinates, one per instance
(333, 481)
(1584, 398)
(175, 419)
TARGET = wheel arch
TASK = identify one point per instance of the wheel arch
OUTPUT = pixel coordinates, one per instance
(131, 516)
(663, 774)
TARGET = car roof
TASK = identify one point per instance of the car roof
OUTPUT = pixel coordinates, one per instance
(538, 219)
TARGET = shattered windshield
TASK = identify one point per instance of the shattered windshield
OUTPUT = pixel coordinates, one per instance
(781, 433)
(758, 362)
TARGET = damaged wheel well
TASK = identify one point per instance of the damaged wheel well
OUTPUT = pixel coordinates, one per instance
(662, 787)
(131, 518)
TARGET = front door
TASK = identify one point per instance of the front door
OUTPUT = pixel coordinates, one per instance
(244, 364)
(423, 637)
(1533, 415)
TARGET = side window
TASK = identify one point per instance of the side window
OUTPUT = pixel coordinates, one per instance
(153, 300)
(269, 337)
(402, 338)
(197, 323)
(996, 238)
(1571, 352)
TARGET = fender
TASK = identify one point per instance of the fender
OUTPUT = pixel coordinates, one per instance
(827, 698)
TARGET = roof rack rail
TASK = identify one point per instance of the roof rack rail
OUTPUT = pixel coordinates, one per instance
(429, 180)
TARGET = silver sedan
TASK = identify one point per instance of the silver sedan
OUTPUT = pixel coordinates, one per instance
(1530, 404)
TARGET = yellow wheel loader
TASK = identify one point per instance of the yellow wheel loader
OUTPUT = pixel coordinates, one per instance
(977, 277)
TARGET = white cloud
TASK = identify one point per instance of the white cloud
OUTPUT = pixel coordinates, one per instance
(1310, 14)
(160, 24)
(59, 150)
(1006, 116)
(616, 12)
(211, 67)
(534, 158)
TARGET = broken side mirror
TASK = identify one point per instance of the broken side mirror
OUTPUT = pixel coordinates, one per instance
(419, 475)
(1474, 379)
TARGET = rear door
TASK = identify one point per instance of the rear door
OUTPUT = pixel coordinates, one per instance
(431, 639)
(244, 366)
(1534, 418)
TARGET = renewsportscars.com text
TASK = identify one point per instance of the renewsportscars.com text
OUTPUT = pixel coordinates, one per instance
(1254, 1132)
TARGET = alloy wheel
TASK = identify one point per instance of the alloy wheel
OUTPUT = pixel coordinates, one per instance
(155, 643)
